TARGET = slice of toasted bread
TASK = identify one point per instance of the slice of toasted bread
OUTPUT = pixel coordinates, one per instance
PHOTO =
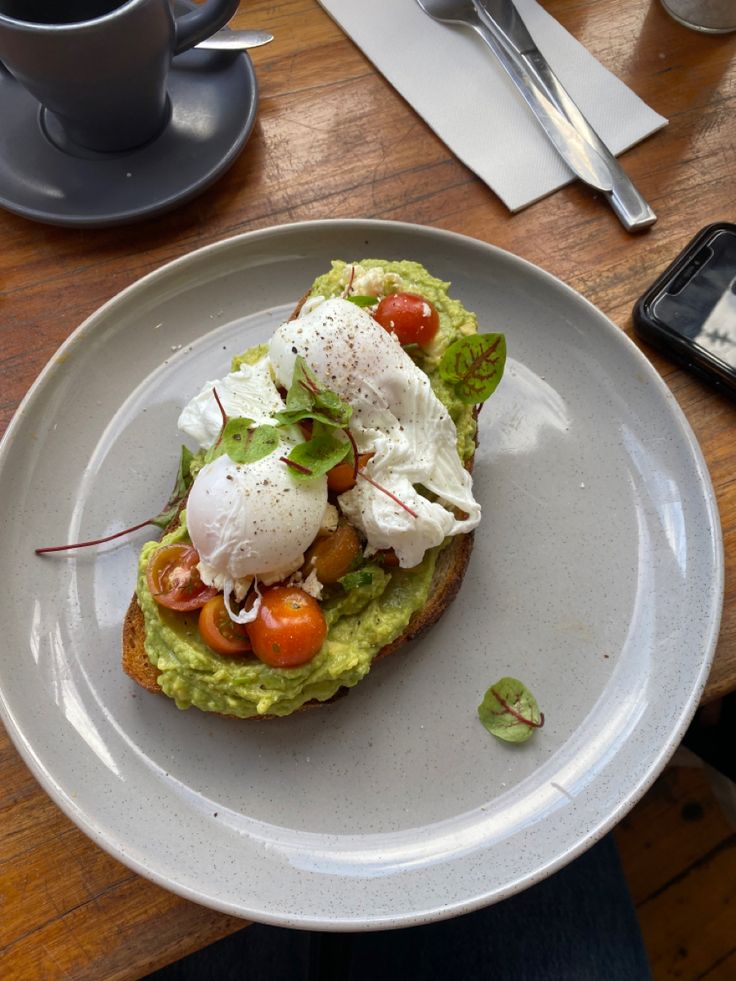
(446, 580)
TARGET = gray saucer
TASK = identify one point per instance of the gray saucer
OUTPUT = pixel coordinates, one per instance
(213, 101)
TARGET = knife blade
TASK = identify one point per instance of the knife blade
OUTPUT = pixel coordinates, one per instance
(579, 155)
(504, 21)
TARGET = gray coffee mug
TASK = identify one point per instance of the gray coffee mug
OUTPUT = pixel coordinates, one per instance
(100, 66)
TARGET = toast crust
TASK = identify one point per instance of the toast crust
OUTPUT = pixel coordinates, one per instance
(448, 575)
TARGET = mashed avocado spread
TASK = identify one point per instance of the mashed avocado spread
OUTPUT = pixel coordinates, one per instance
(360, 621)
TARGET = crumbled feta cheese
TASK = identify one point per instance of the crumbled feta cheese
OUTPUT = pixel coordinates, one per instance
(329, 518)
(312, 585)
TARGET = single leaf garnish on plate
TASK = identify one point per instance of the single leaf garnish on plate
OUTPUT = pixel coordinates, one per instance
(473, 366)
(510, 711)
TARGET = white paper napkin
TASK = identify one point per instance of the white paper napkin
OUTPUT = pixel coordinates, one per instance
(453, 81)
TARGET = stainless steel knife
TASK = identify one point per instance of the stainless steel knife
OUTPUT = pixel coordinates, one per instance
(580, 156)
(503, 20)
(577, 152)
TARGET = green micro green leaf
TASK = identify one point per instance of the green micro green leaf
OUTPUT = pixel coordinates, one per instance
(245, 445)
(473, 366)
(182, 484)
(320, 453)
(353, 580)
(510, 711)
(306, 400)
(217, 449)
(332, 406)
(363, 301)
(183, 476)
(303, 386)
(163, 519)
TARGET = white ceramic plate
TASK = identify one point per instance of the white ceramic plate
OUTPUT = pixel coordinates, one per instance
(596, 578)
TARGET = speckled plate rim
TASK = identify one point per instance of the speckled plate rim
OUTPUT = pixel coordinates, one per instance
(127, 852)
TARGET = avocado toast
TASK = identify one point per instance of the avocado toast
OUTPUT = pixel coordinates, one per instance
(386, 596)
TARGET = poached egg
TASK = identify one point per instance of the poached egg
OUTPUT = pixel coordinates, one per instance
(253, 519)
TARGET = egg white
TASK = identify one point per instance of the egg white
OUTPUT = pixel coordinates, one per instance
(253, 519)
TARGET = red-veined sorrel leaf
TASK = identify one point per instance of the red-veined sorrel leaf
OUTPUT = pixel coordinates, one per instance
(473, 366)
(510, 711)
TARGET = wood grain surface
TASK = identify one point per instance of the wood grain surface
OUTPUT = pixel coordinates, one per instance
(334, 140)
(678, 850)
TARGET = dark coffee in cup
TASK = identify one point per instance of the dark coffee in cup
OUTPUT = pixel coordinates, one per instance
(59, 12)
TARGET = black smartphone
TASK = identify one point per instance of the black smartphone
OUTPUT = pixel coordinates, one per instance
(689, 313)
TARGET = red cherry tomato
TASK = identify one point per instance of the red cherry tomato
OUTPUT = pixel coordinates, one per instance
(413, 319)
(174, 579)
(290, 627)
(219, 632)
(331, 556)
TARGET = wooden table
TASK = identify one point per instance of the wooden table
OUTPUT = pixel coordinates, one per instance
(66, 908)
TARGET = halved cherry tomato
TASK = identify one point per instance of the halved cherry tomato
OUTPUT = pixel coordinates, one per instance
(289, 629)
(413, 319)
(174, 579)
(331, 556)
(342, 476)
(219, 632)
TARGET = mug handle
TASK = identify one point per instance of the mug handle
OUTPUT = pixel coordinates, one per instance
(201, 23)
